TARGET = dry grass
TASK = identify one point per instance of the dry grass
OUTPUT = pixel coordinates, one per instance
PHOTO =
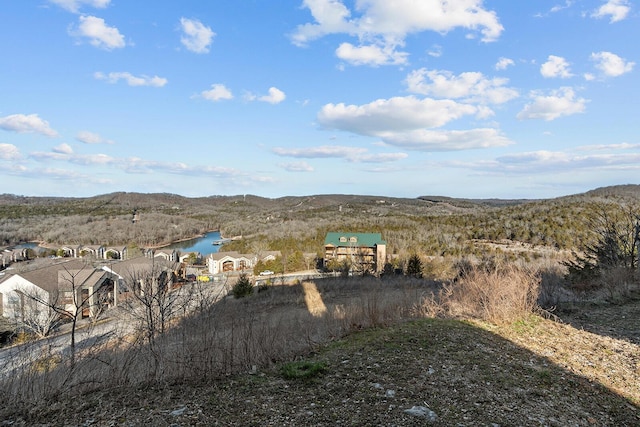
(227, 337)
(223, 365)
(497, 295)
(467, 373)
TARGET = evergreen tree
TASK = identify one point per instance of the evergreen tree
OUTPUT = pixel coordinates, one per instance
(414, 266)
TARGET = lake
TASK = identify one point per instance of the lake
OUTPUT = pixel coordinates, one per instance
(203, 244)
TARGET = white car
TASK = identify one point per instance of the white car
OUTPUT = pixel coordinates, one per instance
(266, 273)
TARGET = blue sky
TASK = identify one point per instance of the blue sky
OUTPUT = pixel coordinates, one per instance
(463, 98)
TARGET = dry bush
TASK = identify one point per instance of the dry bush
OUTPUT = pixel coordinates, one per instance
(440, 268)
(617, 284)
(498, 295)
(553, 285)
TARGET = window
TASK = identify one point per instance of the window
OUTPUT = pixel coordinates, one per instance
(353, 239)
(343, 239)
(66, 298)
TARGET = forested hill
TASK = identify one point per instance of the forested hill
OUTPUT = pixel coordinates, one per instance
(435, 224)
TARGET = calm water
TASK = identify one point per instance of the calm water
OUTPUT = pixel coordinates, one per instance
(27, 245)
(204, 244)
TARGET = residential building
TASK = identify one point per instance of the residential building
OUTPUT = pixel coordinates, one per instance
(143, 274)
(364, 252)
(69, 285)
(224, 262)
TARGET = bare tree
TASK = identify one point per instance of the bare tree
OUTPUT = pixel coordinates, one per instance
(80, 293)
(31, 314)
(151, 297)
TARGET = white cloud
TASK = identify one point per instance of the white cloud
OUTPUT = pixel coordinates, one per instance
(75, 5)
(504, 63)
(382, 157)
(296, 167)
(136, 165)
(196, 37)
(351, 154)
(610, 64)
(9, 152)
(435, 51)
(275, 96)
(91, 138)
(132, 80)
(331, 17)
(544, 161)
(99, 33)
(408, 122)
(557, 104)
(601, 147)
(555, 162)
(470, 86)
(373, 55)
(441, 140)
(66, 153)
(63, 148)
(27, 123)
(616, 9)
(383, 26)
(556, 66)
(321, 152)
(397, 114)
(559, 7)
(217, 92)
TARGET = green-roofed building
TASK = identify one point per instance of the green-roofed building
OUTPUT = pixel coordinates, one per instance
(366, 252)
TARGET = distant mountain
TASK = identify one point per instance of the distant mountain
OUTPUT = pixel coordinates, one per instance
(628, 190)
(163, 201)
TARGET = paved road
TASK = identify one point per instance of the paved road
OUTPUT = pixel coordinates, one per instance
(88, 335)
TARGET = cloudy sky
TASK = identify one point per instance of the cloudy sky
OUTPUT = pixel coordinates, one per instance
(463, 98)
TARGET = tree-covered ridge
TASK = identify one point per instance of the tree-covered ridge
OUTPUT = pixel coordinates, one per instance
(431, 226)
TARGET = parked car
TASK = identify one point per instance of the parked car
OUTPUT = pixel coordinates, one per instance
(266, 273)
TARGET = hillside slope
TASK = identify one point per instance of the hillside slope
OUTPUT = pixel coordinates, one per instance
(537, 372)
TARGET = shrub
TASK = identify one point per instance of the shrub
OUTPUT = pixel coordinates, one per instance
(615, 240)
(302, 370)
(499, 295)
(414, 267)
(243, 287)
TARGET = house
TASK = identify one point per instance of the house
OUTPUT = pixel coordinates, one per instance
(116, 253)
(167, 254)
(93, 251)
(188, 257)
(224, 262)
(143, 274)
(71, 251)
(366, 252)
(9, 256)
(70, 285)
